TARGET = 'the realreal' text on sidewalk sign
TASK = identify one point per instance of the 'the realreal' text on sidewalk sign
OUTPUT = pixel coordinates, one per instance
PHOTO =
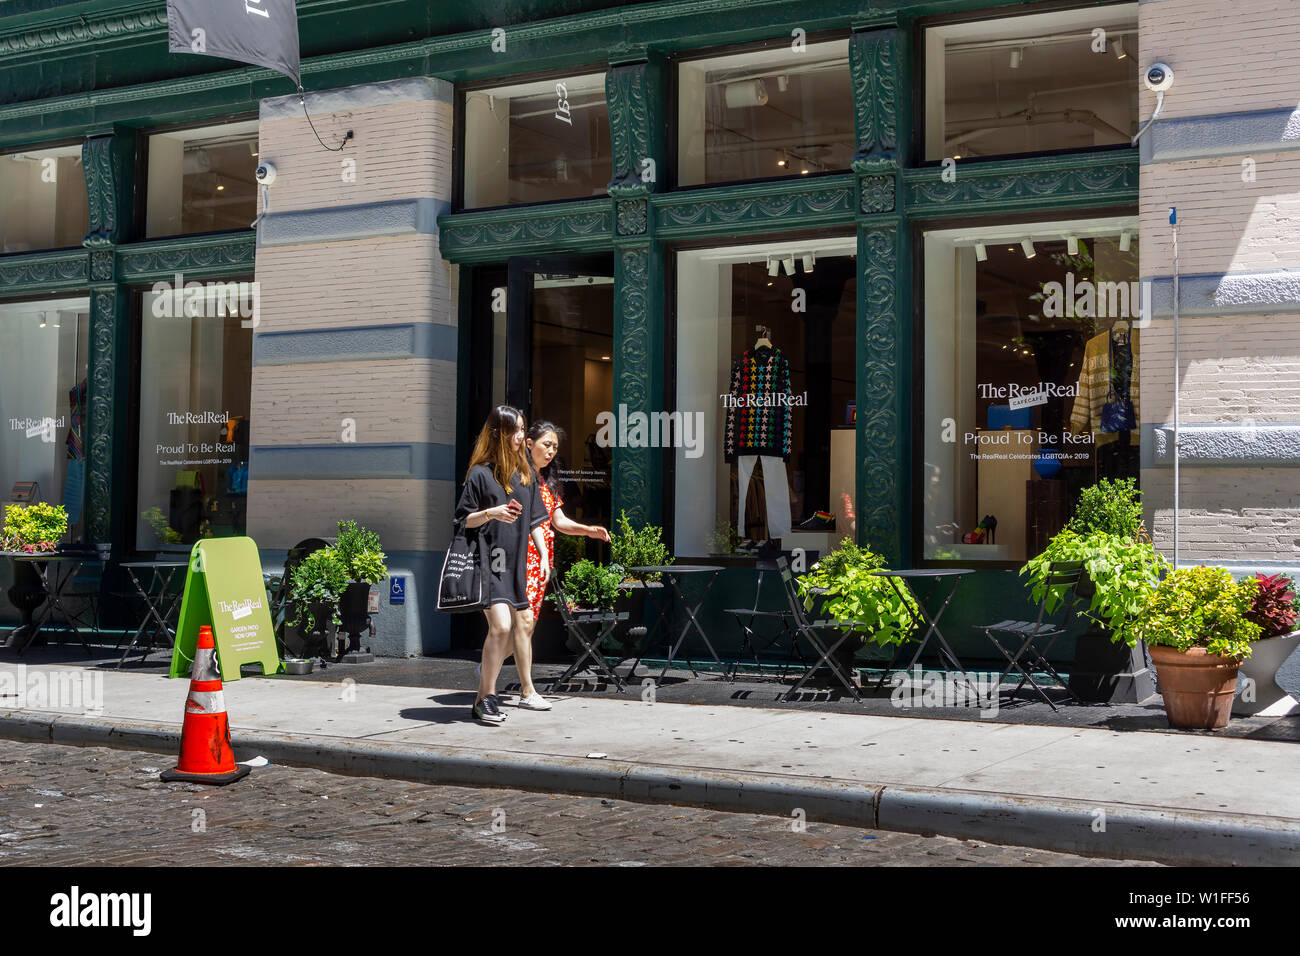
(224, 588)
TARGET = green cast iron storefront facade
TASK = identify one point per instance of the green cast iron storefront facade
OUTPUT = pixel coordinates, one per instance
(91, 73)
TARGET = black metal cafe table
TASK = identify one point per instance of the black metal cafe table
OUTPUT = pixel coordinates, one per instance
(57, 570)
(926, 614)
(673, 573)
(160, 602)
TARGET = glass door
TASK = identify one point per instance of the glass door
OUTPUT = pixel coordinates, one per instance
(557, 365)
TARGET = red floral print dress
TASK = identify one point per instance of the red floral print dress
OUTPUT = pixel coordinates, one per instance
(534, 571)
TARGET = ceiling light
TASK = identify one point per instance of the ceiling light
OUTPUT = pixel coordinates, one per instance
(956, 155)
(808, 261)
(1015, 58)
(1125, 238)
(604, 358)
(745, 93)
(1072, 245)
(42, 320)
(781, 161)
(783, 82)
(1027, 246)
(788, 262)
(981, 253)
(773, 267)
(1119, 48)
(220, 187)
(803, 172)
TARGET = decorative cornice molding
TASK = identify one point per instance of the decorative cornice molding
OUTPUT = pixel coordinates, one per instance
(1023, 184)
(82, 31)
(44, 272)
(494, 235)
(215, 256)
(761, 207)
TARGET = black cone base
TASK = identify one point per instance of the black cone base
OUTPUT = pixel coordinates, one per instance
(217, 779)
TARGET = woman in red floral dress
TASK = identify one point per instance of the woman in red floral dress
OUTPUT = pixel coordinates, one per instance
(543, 443)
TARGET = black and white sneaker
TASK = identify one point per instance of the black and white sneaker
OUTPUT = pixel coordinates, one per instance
(487, 711)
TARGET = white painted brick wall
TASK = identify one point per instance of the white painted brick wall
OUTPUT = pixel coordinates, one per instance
(410, 515)
(1228, 55)
(1233, 368)
(354, 282)
(1225, 224)
(1227, 514)
(400, 151)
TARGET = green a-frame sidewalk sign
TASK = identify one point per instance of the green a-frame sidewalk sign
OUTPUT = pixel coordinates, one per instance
(224, 588)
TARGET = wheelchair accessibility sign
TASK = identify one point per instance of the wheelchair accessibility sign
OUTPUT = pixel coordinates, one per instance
(397, 590)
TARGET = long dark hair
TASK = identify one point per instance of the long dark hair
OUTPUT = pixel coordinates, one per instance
(550, 475)
(496, 450)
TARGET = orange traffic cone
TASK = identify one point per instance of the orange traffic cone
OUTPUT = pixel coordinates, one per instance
(206, 754)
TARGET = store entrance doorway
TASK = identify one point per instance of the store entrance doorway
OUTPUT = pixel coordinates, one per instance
(558, 366)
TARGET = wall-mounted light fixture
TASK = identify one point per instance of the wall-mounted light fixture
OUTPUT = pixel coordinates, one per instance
(1027, 246)
(981, 253)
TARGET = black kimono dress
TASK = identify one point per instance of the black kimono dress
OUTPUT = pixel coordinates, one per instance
(507, 544)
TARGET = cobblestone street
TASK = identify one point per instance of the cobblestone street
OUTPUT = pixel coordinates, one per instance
(70, 806)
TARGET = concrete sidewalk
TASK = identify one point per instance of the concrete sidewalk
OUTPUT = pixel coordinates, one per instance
(1176, 798)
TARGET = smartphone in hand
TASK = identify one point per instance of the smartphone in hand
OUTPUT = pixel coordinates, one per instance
(514, 506)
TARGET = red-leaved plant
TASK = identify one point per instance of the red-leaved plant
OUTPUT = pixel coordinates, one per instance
(1274, 607)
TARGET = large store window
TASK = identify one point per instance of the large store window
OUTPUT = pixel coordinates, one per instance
(1032, 335)
(43, 403)
(42, 200)
(195, 387)
(537, 141)
(766, 359)
(201, 180)
(1065, 80)
(765, 113)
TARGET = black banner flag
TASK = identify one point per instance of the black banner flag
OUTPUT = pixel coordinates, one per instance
(260, 32)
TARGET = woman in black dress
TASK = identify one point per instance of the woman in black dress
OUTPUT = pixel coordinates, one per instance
(502, 499)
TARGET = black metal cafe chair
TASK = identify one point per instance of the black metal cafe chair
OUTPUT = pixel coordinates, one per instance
(590, 629)
(775, 624)
(825, 637)
(1062, 584)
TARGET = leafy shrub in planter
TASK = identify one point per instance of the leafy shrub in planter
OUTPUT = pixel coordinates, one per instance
(1274, 606)
(359, 550)
(1123, 572)
(320, 576)
(1111, 506)
(1106, 534)
(33, 528)
(639, 549)
(593, 586)
(854, 594)
(1198, 607)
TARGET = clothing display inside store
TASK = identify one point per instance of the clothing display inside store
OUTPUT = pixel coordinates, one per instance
(1107, 405)
(758, 429)
(1032, 359)
(766, 343)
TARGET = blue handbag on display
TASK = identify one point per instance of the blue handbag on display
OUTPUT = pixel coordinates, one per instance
(1117, 413)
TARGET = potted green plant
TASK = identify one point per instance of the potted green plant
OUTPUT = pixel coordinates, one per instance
(1196, 626)
(848, 591)
(632, 548)
(1105, 532)
(592, 587)
(33, 529)
(29, 529)
(359, 549)
(315, 587)
(1275, 609)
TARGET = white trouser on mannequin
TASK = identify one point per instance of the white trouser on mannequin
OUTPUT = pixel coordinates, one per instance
(776, 491)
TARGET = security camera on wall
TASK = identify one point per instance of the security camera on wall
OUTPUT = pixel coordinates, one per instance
(265, 173)
(1159, 77)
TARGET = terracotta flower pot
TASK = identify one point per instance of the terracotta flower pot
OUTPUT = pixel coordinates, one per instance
(1197, 686)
